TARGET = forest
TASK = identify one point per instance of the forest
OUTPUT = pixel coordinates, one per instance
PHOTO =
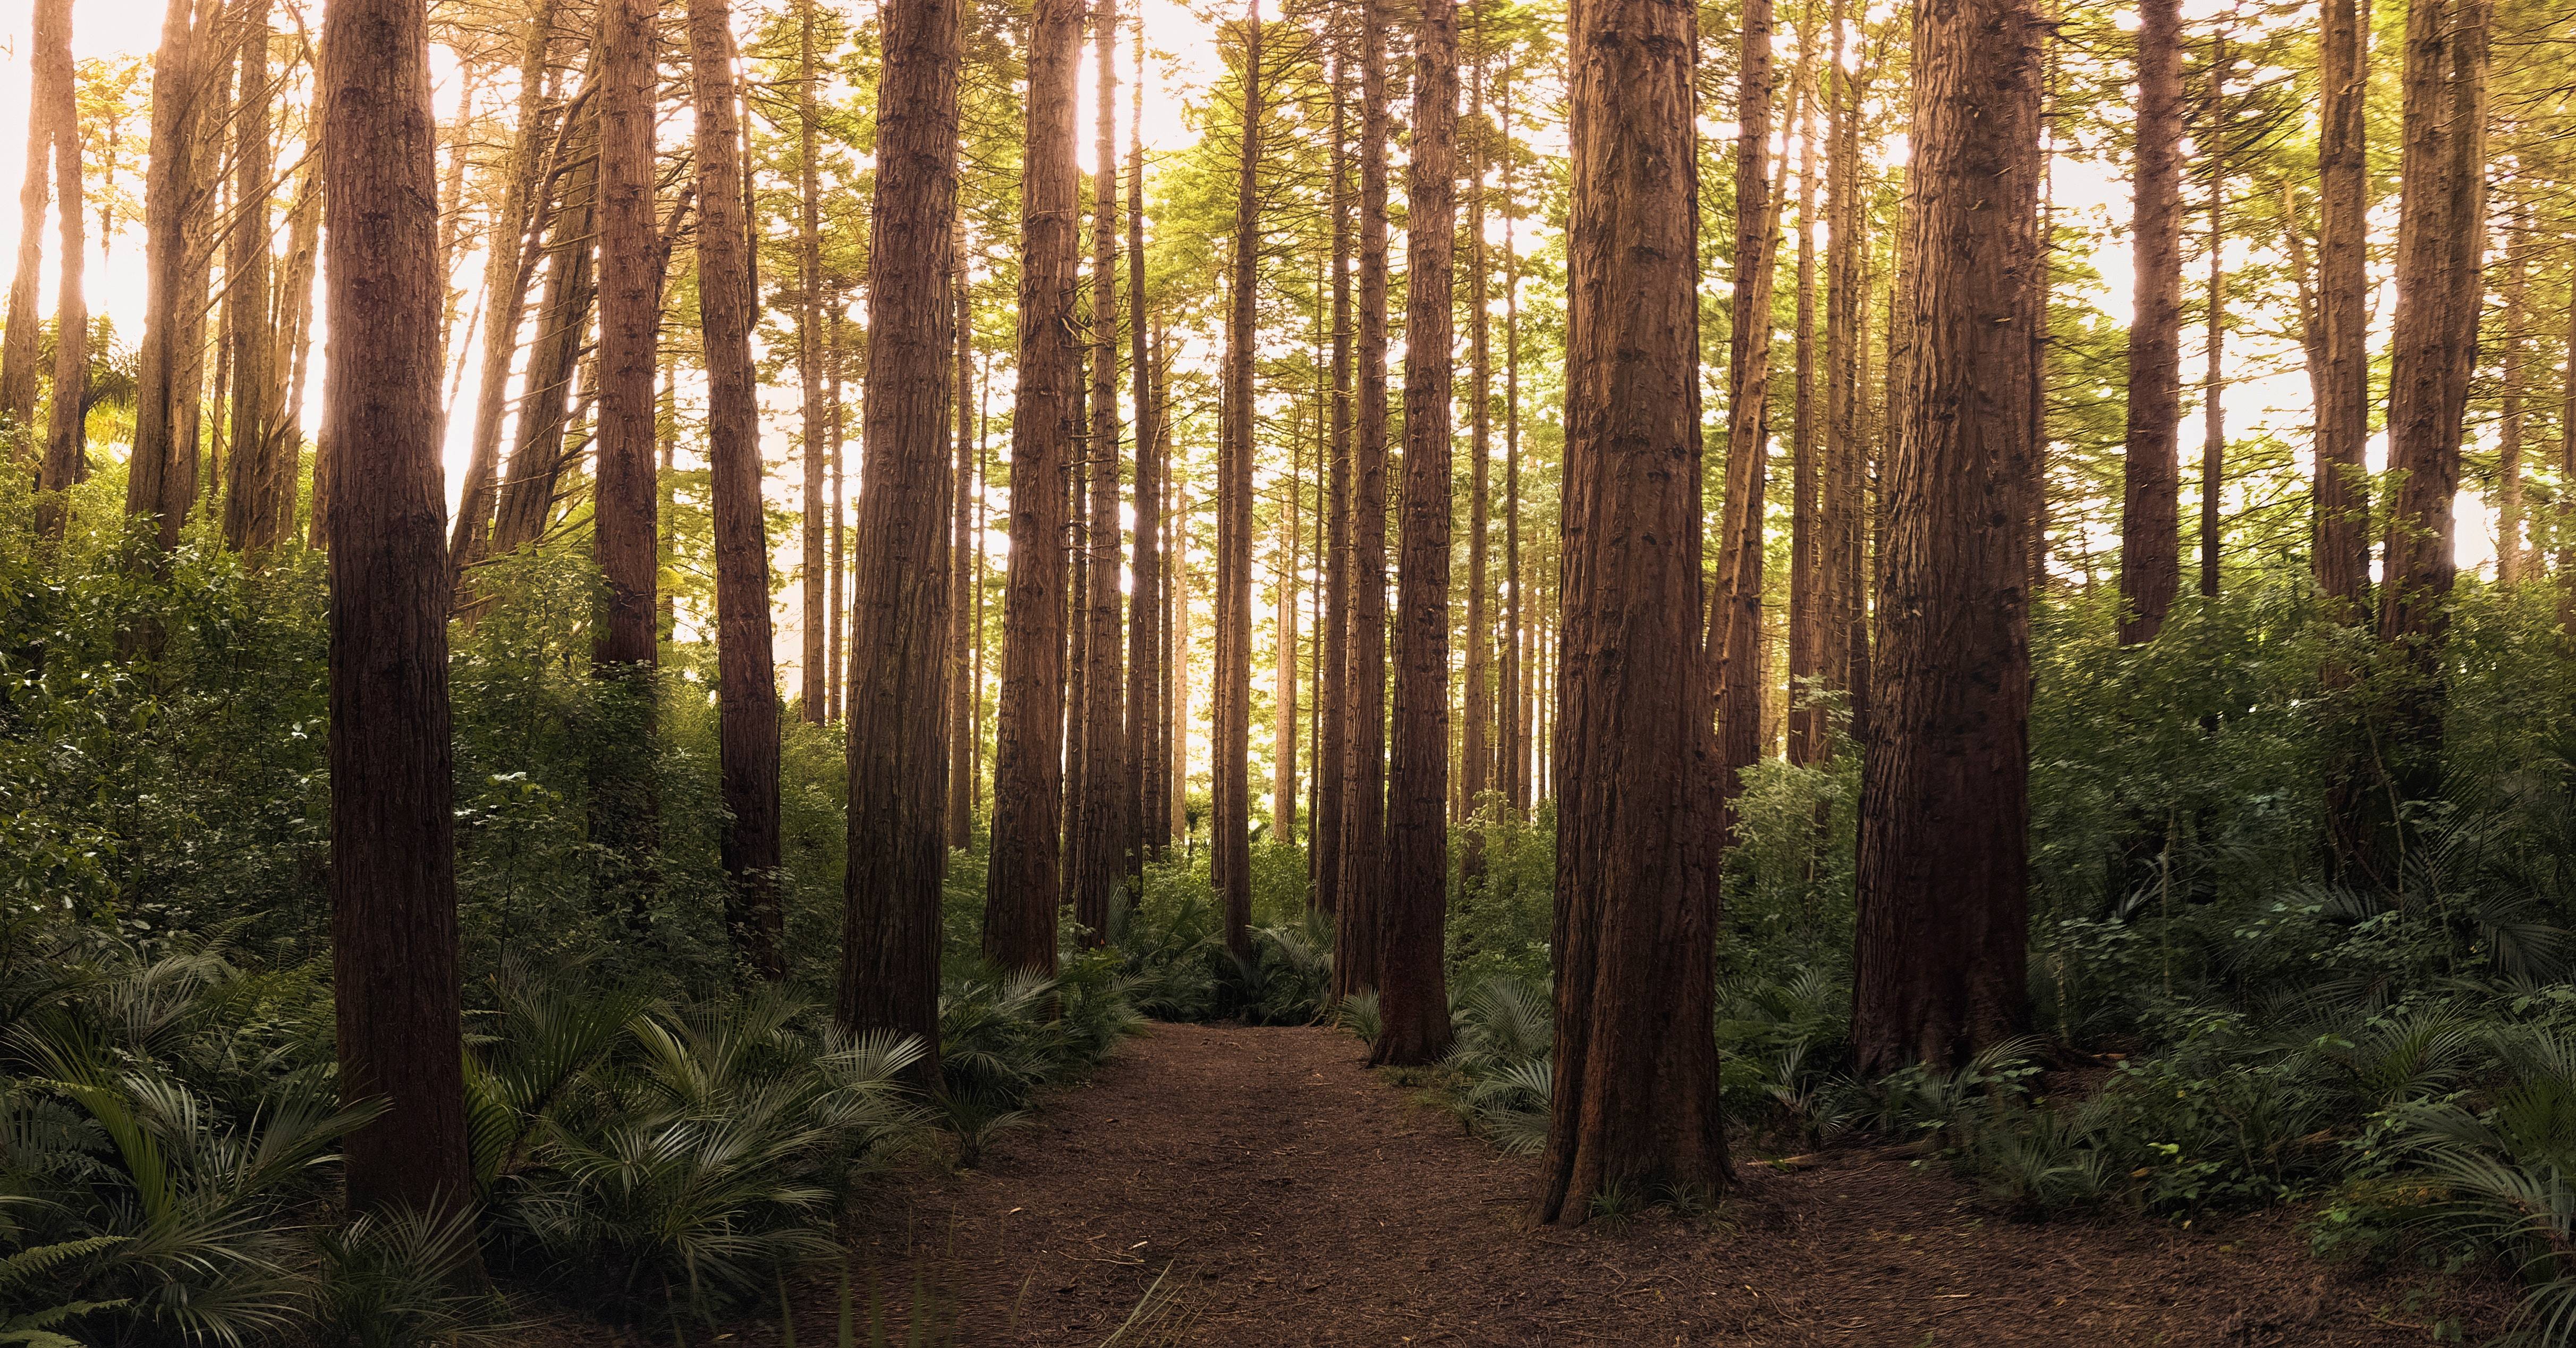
(1161, 672)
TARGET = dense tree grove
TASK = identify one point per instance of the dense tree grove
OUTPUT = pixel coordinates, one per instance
(619, 615)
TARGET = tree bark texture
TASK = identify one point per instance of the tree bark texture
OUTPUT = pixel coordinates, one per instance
(1023, 876)
(890, 935)
(1636, 1099)
(746, 681)
(2150, 502)
(393, 853)
(1363, 869)
(1412, 984)
(1944, 822)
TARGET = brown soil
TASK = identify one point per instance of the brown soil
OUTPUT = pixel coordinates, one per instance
(1287, 1196)
(1284, 1196)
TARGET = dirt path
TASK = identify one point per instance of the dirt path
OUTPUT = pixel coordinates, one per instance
(1296, 1199)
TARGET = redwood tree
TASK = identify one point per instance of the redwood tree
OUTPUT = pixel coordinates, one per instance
(1944, 819)
(1230, 818)
(1333, 635)
(2150, 509)
(1022, 877)
(1412, 985)
(1735, 620)
(49, 65)
(1637, 851)
(2342, 562)
(1363, 864)
(1099, 852)
(746, 681)
(393, 842)
(51, 72)
(1148, 822)
(890, 933)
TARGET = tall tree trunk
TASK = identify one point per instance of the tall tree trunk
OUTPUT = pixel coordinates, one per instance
(2510, 418)
(1637, 854)
(1077, 605)
(1332, 657)
(975, 595)
(1100, 854)
(814, 665)
(1844, 472)
(52, 24)
(259, 498)
(1363, 879)
(1283, 664)
(1516, 667)
(2150, 509)
(1230, 836)
(2441, 241)
(393, 852)
(1147, 820)
(1735, 621)
(50, 62)
(961, 592)
(1476, 737)
(1944, 823)
(746, 682)
(890, 935)
(2213, 410)
(2342, 560)
(1806, 728)
(1022, 881)
(161, 478)
(1412, 985)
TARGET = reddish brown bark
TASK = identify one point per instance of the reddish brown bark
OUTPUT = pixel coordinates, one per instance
(1806, 728)
(627, 536)
(2150, 509)
(1943, 864)
(1099, 855)
(890, 936)
(1148, 820)
(746, 681)
(1476, 736)
(2441, 243)
(393, 855)
(2342, 561)
(962, 558)
(1412, 984)
(1363, 870)
(1637, 855)
(813, 672)
(1844, 473)
(1230, 818)
(1023, 880)
(1332, 657)
(1735, 619)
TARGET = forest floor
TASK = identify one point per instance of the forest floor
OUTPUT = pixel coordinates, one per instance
(1285, 1195)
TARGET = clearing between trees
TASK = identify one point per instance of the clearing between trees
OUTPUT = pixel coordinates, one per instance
(1283, 1194)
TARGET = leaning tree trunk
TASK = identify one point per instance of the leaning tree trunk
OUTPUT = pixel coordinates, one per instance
(393, 842)
(1735, 621)
(2342, 562)
(51, 72)
(1944, 822)
(1412, 985)
(1230, 784)
(1363, 872)
(1022, 876)
(1637, 851)
(2150, 509)
(746, 682)
(890, 935)
(1099, 856)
